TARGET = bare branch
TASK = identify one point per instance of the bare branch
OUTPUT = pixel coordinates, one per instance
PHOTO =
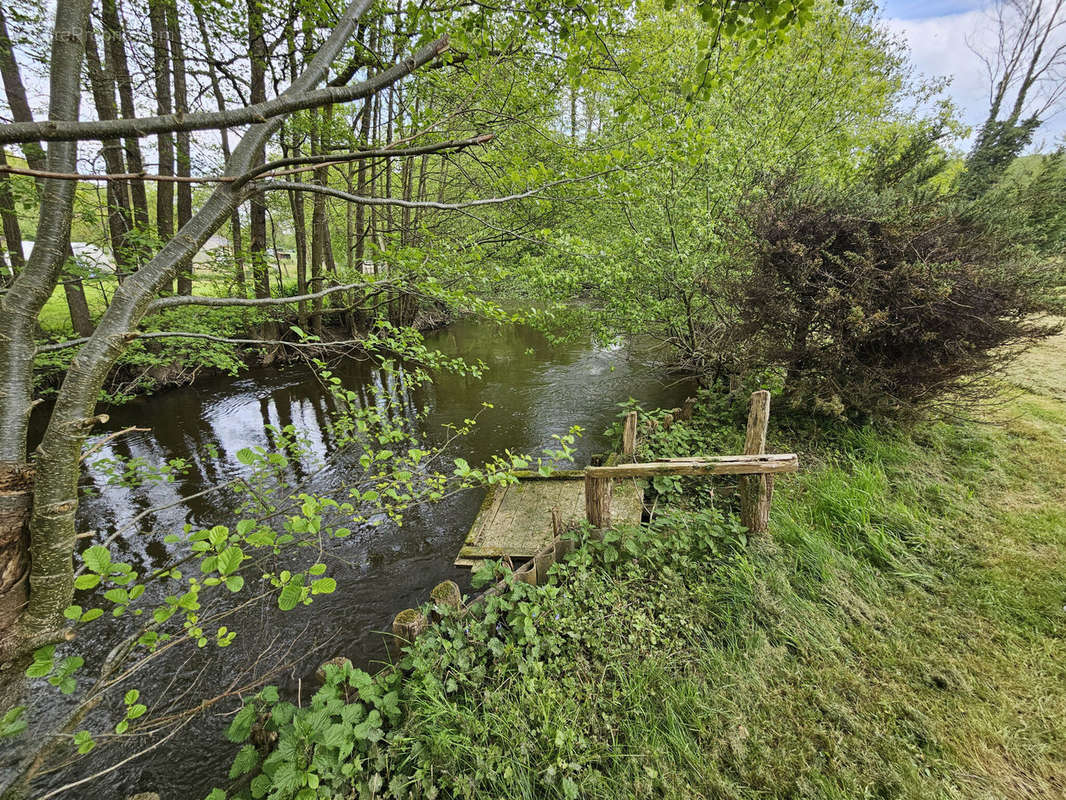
(196, 300)
(51, 348)
(393, 201)
(322, 160)
(56, 131)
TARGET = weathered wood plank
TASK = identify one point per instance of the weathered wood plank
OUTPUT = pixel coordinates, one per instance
(705, 465)
(517, 520)
(629, 434)
(756, 490)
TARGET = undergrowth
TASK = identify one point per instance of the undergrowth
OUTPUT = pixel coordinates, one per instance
(898, 636)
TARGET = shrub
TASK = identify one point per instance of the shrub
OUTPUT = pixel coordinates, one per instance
(884, 308)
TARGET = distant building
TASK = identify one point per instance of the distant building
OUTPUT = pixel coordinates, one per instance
(214, 248)
(92, 260)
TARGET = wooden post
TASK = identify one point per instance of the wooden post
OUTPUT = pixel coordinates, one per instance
(336, 661)
(542, 562)
(688, 408)
(445, 594)
(756, 490)
(629, 434)
(406, 627)
(557, 522)
(598, 501)
(527, 574)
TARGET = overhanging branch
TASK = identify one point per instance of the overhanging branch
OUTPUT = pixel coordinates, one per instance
(395, 201)
(59, 131)
(164, 303)
(266, 170)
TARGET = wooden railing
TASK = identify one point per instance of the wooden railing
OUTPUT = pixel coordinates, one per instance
(756, 467)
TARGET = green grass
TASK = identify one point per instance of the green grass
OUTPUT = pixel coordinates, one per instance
(55, 315)
(900, 636)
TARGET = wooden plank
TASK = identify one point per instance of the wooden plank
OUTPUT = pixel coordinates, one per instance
(629, 434)
(705, 465)
(517, 521)
(598, 500)
(756, 490)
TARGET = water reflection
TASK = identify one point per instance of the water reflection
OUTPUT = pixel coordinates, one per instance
(536, 390)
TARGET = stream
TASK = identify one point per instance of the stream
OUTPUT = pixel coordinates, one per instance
(536, 389)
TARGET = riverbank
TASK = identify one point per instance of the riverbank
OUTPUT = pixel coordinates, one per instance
(148, 367)
(900, 635)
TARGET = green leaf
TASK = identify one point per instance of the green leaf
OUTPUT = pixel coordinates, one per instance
(137, 710)
(98, 559)
(234, 583)
(89, 580)
(120, 596)
(91, 614)
(260, 786)
(229, 559)
(323, 586)
(246, 455)
(240, 728)
(131, 697)
(244, 762)
(72, 612)
(292, 593)
(84, 741)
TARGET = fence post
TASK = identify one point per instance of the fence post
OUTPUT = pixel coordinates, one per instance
(406, 627)
(629, 434)
(756, 490)
(598, 501)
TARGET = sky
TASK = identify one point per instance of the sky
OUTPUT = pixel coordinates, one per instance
(937, 32)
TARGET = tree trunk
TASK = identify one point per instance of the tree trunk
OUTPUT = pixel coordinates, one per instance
(20, 306)
(164, 190)
(257, 52)
(216, 89)
(119, 216)
(184, 141)
(10, 220)
(78, 307)
(117, 65)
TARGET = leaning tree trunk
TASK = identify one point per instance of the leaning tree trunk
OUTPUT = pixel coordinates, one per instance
(257, 228)
(52, 533)
(216, 89)
(119, 210)
(19, 308)
(117, 65)
(20, 111)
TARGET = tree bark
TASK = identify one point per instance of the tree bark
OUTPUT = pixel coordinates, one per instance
(9, 219)
(257, 53)
(120, 214)
(117, 65)
(184, 144)
(20, 306)
(216, 89)
(164, 190)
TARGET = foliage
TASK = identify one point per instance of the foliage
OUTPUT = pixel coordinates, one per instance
(679, 660)
(884, 308)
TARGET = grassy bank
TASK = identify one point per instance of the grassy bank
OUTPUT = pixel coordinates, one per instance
(900, 635)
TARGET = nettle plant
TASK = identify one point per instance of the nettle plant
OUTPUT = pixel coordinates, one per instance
(275, 549)
(385, 735)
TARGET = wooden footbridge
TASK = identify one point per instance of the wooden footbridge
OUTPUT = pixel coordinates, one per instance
(520, 520)
(524, 522)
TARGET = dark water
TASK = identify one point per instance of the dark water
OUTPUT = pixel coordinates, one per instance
(536, 389)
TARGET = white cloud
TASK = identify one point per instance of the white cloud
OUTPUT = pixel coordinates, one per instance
(940, 47)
